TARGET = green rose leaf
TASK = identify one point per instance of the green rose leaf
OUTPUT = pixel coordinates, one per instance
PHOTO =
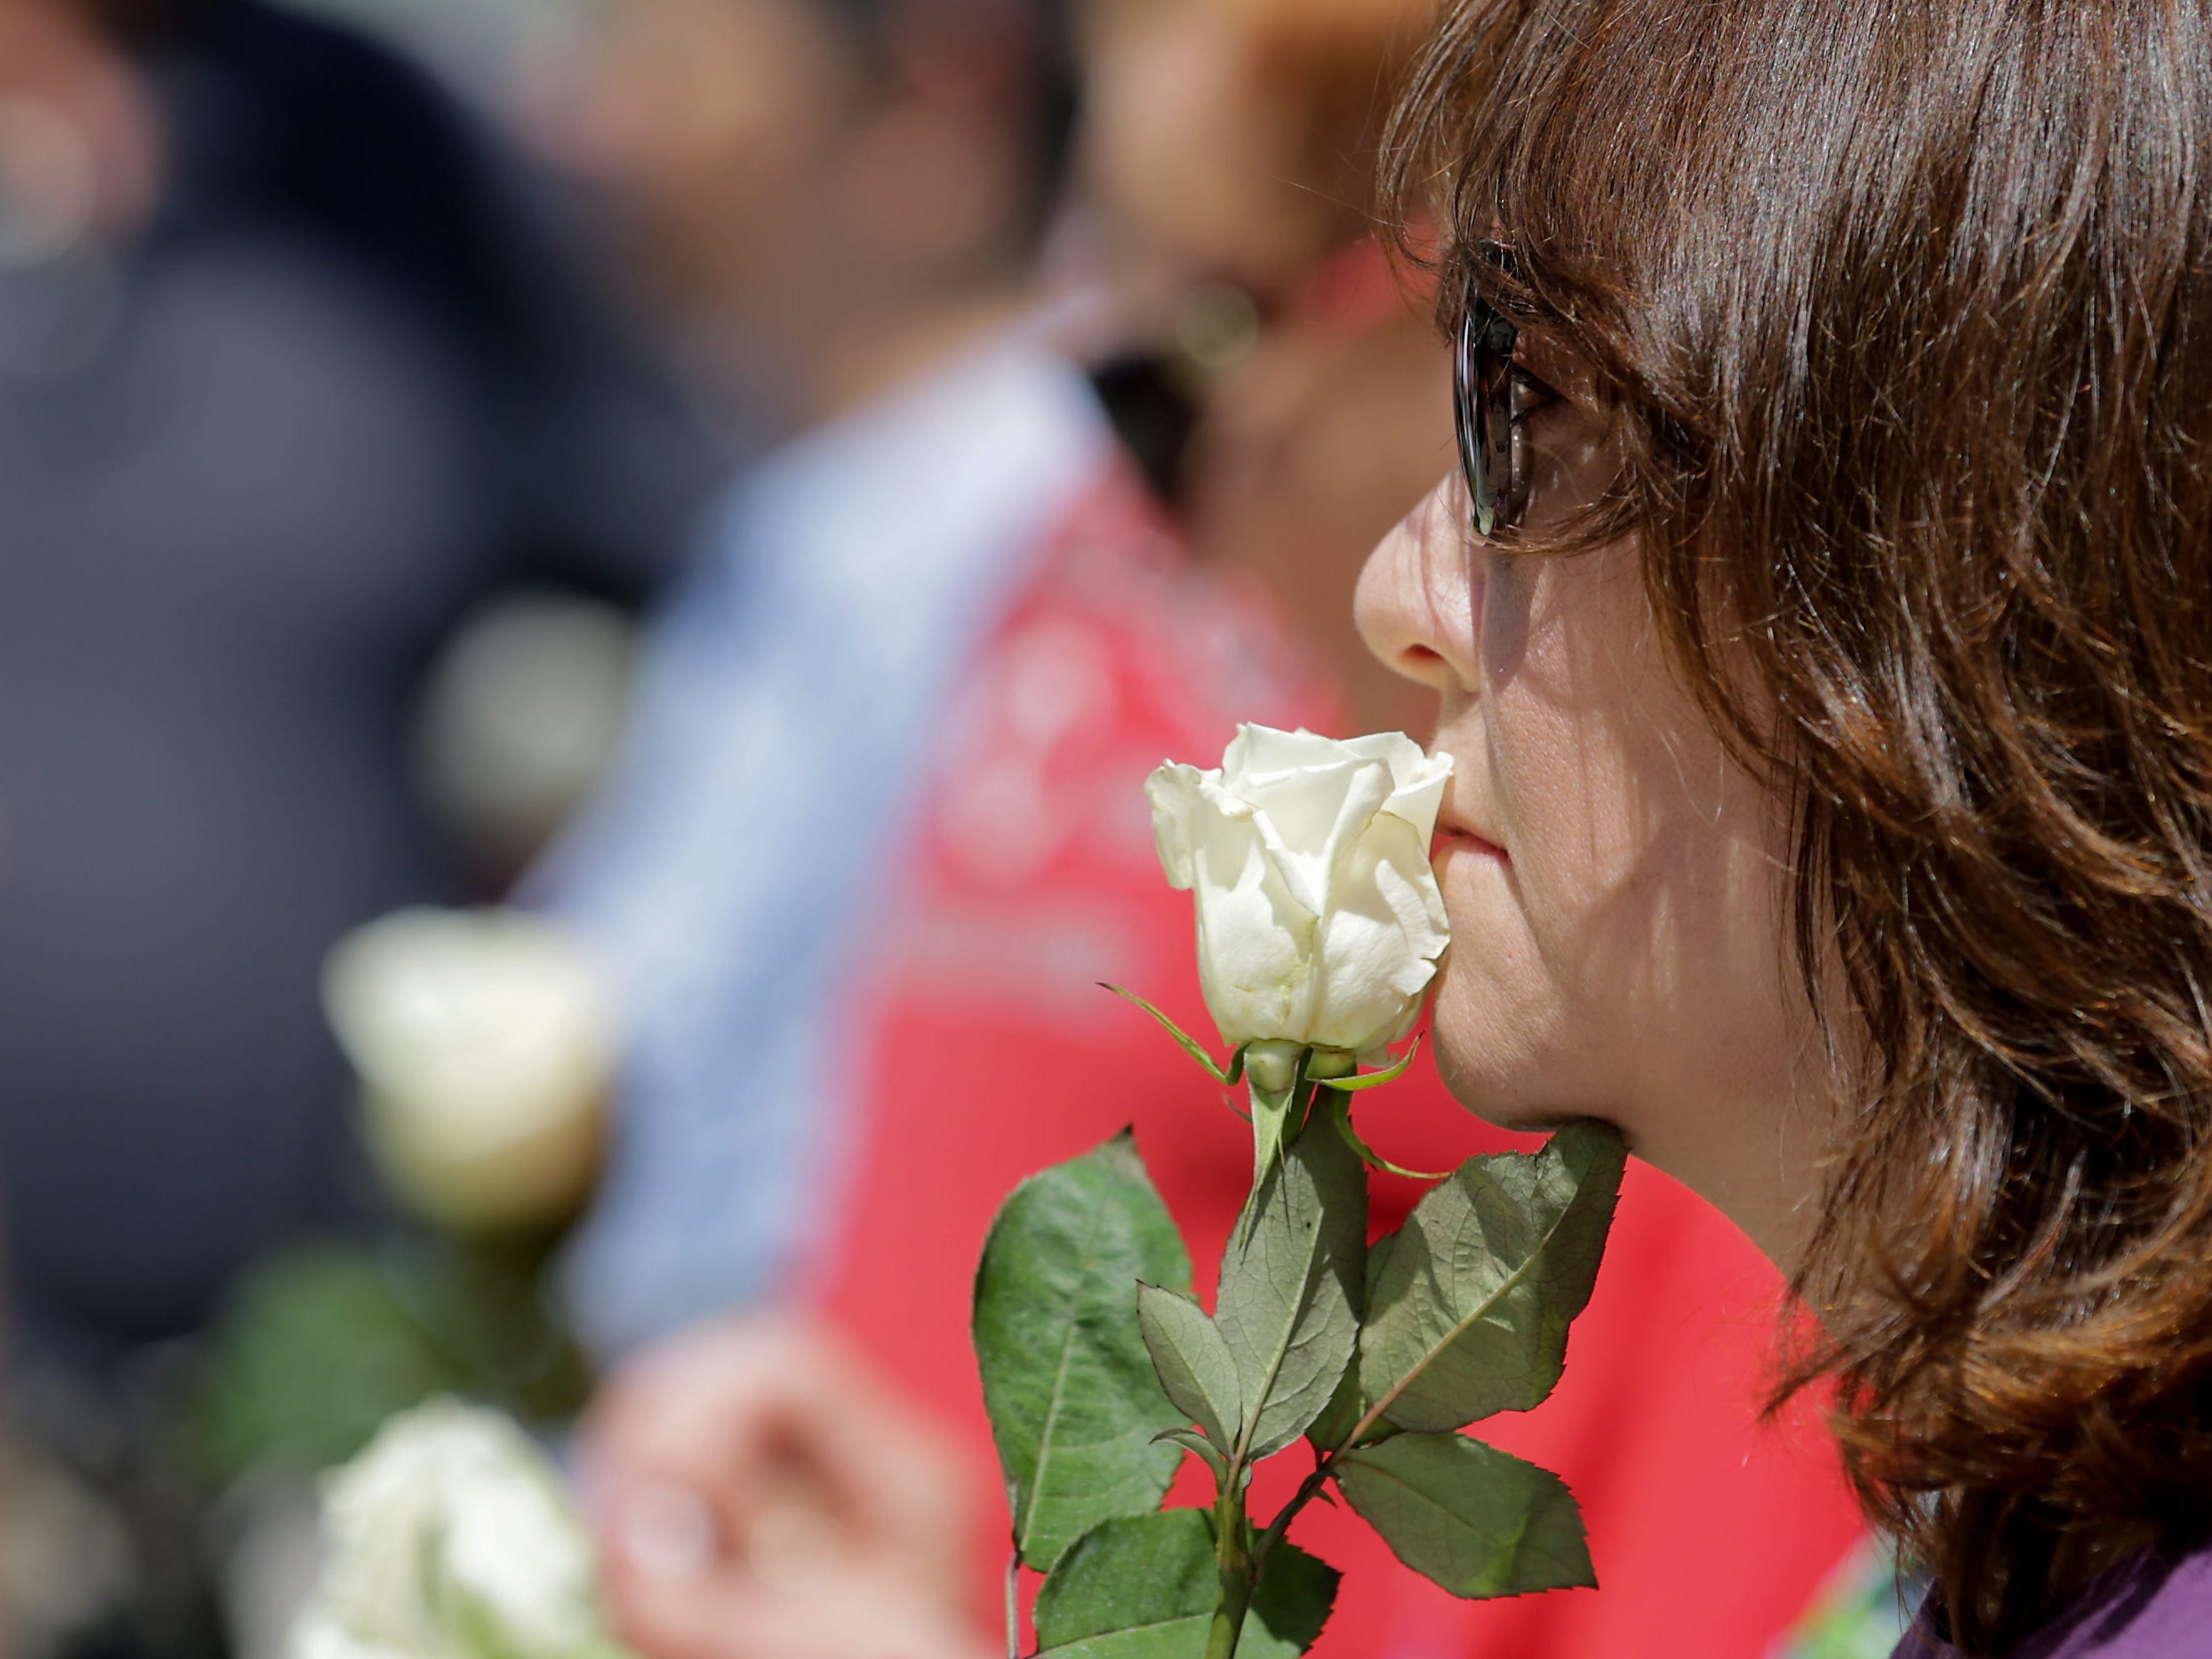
(1292, 1607)
(1195, 1364)
(1473, 1519)
(1132, 1588)
(1340, 1416)
(1469, 1315)
(1293, 1285)
(1073, 1400)
(1144, 1588)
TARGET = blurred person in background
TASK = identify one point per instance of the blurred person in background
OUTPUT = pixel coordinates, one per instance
(907, 1021)
(289, 379)
(847, 197)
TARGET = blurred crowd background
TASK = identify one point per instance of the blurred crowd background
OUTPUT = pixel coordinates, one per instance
(587, 590)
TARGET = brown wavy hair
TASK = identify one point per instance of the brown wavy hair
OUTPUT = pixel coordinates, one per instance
(1908, 311)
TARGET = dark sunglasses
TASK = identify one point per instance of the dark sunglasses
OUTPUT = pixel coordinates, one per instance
(1493, 442)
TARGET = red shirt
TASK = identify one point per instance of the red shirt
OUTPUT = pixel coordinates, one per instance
(996, 1054)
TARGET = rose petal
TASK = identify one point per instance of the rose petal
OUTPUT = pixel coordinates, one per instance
(1380, 941)
(1309, 847)
(1318, 916)
(1254, 939)
(1419, 795)
(1258, 750)
(1173, 791)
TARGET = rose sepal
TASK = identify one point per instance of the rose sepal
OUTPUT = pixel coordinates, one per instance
(1354, 1084)
(1273, 1110)
(1228, 1076)
(1340, 1112)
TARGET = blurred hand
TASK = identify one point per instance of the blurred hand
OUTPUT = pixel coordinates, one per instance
(760, 1496)
(845, 1617)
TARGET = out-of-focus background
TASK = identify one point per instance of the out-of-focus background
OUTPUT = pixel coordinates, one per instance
(587, 590)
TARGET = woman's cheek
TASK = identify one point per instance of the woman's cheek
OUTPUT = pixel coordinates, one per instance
(1507, 1041)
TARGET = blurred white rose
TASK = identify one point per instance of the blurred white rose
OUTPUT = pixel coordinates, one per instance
(452, 1537)
(485, 1045)
(1319, 921)
(520, 718)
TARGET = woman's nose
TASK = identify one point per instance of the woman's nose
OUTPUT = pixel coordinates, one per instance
(1419, 595)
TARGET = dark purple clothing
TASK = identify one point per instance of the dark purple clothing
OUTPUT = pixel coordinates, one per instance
(2150, 1609)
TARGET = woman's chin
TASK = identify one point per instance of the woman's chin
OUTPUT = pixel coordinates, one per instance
(1504, 1079)
(1520, 1117)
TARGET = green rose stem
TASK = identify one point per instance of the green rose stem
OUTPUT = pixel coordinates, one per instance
(1242, 1567)
(1238, 1560)
(1234, 1560)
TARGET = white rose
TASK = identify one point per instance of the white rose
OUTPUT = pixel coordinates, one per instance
(486, 1046)
(449, 1538)
(1319, 921)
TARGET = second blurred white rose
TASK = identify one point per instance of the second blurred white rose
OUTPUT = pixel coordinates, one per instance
(484, 1041)
(452, 1537)
(1319, 918)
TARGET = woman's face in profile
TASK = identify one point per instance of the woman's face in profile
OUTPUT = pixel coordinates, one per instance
(1617, 885)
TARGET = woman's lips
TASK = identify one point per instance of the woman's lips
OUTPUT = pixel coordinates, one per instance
(1452, 839)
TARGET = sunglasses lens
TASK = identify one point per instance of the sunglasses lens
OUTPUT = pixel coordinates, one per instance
(1482, 409)
(1467, 419)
